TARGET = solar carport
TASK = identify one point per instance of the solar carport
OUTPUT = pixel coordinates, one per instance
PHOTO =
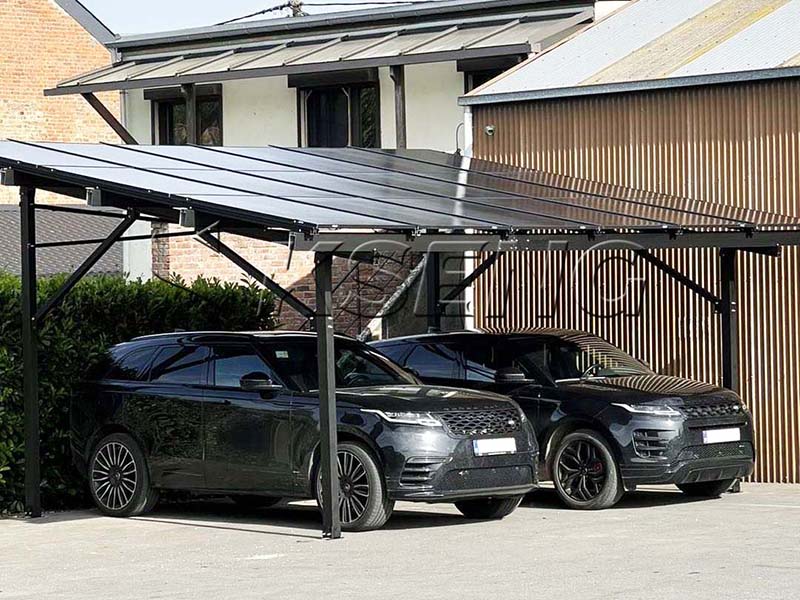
(358, 203)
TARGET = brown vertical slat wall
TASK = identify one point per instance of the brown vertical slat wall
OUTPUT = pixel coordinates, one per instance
(736, 144)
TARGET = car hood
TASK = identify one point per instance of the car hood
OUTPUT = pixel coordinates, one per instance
(644, 389)
(423, 398)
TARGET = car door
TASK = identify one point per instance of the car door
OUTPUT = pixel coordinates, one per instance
(167, 413)
(247, 433)
(540, 400)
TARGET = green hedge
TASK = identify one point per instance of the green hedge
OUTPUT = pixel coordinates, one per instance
(99, 312)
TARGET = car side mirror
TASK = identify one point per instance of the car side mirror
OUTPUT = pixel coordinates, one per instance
(259, 382)
(510, 375)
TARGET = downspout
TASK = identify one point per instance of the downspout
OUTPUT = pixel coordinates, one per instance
(469, 255)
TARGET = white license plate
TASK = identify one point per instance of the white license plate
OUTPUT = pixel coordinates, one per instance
(494, 446)
(717, 436)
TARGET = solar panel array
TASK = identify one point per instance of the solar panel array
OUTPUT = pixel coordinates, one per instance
(306, 189)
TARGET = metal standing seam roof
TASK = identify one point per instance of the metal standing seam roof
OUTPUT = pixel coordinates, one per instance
(352, 189)
(430, 41)
(647, 45)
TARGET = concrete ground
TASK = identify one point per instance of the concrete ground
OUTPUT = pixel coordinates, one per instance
(653, 545)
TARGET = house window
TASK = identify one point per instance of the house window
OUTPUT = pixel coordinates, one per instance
(169, 116)
(337, 116)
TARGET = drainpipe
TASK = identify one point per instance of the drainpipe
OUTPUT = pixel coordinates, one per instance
(469, 255)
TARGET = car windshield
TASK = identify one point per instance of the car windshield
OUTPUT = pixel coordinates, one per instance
(573, 358)
(356, 365)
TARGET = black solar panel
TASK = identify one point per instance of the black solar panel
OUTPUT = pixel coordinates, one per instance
(304, 189)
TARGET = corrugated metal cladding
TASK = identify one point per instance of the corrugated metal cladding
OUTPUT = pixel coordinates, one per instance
(738, 145)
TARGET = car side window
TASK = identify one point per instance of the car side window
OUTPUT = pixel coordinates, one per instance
(231, 363)
(180, 364)
(131, 366)
(434, 360)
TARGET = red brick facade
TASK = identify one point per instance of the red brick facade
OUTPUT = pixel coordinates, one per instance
(41, 45)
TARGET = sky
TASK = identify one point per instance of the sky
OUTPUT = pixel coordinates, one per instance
(146, 16)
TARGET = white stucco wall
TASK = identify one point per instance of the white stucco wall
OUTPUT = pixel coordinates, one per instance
(256, 112)
(432, 110)
(137, 256)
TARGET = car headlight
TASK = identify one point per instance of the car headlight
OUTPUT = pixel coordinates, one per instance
(424, 419)
(654, 410)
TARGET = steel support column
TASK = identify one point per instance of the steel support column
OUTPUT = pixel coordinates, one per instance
(331, 527)
(398, 75)
(30, 361)
(433, 290)
(730, 320)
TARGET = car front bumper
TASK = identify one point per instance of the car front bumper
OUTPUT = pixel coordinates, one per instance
(686, 458)
(434, 466)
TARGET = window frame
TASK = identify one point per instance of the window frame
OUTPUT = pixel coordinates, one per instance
(164, 347)
(116, 363)
(162, 98)
(351, 91)
(212, 374)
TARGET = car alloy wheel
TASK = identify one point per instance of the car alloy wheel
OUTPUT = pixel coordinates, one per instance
(114, 476)
(363, 501)
(581, 471)
(354, 487)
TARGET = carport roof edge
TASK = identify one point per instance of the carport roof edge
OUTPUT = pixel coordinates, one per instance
(364, 196)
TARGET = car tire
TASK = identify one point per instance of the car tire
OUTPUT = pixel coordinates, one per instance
(488, 508)
(119, 480)
(255, 501)
(365, 504)
(585, 472)
(706, 489)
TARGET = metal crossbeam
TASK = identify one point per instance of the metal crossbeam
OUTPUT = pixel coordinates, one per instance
(283, 294)
(679, 277)
(470, 279)
(86, 266)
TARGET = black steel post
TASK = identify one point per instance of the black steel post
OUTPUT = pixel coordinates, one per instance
(398, 75)
(730, 320)
(30, 362)
(331, 527)
(190, 96)
(433, 290)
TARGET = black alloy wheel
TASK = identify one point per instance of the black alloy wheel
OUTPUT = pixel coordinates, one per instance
(118, 477)
(585, 472)
(363, 503)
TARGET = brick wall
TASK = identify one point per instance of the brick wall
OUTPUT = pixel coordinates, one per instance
(41, 45)
(355, 301)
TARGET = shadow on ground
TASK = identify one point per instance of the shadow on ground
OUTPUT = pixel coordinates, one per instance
(303, 520)
(546, 498)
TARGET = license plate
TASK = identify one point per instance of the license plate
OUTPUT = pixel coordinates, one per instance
(716, 436)
(494, 446)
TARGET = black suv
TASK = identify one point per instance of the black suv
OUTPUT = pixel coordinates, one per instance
(605, 421)
(238, 414)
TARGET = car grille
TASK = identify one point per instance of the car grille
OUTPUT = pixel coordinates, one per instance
(723, 450)
(652, 443)
(724, 409)
(481, 422)
(420, 471)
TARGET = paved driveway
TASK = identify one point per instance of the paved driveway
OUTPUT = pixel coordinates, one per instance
(654, 545)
